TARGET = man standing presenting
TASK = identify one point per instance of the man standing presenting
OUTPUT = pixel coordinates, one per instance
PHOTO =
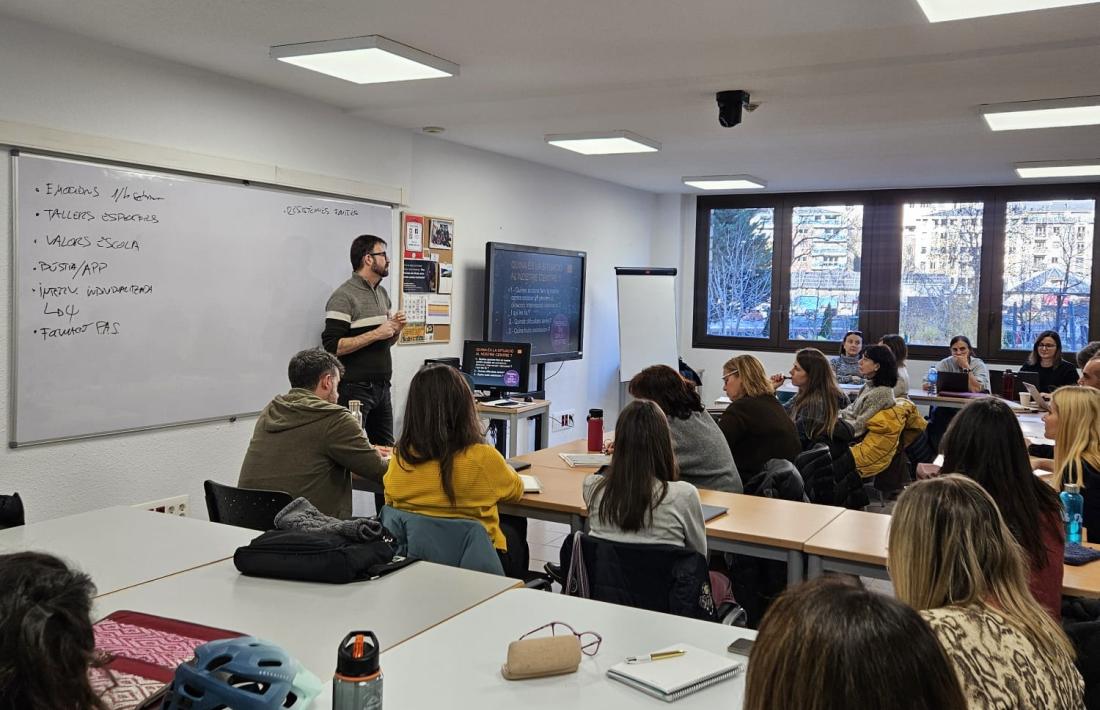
(360, 330)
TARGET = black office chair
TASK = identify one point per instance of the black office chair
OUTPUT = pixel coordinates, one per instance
(665, 578)
(11, 511)
(244, 507)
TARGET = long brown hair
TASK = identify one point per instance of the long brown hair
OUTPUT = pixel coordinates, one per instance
(643, 454)
(820, 393)
(829, 644)
(949, 546)
(985, 442)
(676, 397)
(47, 643)
(440, 421)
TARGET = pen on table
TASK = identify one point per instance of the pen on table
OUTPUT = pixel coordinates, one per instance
(656, 656)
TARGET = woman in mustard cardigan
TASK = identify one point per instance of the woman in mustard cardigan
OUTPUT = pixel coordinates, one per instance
(442, 467)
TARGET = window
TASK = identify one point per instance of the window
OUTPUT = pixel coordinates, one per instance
(1047, 280)
(826, 244)
(998, 264)
(739, 290)
(939, 298)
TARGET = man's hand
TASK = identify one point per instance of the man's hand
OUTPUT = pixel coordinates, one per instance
(384, 451)
(386, 331)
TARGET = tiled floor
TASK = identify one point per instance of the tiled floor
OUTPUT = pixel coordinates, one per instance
(545, 541)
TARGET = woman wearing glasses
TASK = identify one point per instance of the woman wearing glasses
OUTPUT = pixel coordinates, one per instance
(755, 424)
(1046, 360)
(846, 364)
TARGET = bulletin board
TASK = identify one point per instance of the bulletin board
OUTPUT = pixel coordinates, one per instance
(427, 277)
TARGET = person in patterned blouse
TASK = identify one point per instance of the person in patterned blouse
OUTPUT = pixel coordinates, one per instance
(953, 559)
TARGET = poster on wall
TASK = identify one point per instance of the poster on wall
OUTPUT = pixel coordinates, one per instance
(414, 234)
(427, 277)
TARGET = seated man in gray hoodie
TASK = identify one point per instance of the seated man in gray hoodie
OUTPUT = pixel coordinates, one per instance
(308, 445)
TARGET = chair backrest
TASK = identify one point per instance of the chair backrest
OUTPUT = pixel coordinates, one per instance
(11, 511)
(244, 507)
(454, 542)
(664, 578)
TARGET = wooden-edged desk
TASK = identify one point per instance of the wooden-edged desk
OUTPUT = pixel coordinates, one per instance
(754, 526)
(309, 619)
(120, 547)
(457, 663)
(510, 416)
(855, 543)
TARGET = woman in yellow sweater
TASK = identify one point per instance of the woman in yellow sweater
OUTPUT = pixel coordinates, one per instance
(442, 467)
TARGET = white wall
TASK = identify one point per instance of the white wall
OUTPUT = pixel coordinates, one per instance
(65, 82)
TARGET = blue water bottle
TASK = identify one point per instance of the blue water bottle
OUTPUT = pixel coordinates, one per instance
(933, 375)
(1072, 504)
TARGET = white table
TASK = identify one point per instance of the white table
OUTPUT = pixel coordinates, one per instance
(537, 409)
(457, 664)
(309, 620)
(122, 546)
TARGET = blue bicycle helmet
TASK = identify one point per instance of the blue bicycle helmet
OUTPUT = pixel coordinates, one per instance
(241, 673)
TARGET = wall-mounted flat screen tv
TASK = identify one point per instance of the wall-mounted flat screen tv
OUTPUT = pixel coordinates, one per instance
(535, 295)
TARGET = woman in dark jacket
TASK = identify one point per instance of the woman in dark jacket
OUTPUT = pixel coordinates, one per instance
(755, 425)
(1046, 360)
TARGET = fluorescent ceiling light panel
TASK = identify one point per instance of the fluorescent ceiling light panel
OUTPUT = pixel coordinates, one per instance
(1048, 113)
(604, 143)
(1059, 168)
(365, 60)
(725, 182)
(946, 10)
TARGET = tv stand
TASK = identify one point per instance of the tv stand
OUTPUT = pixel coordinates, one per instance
(504, 422)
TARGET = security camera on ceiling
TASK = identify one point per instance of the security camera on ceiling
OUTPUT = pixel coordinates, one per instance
(730, 106)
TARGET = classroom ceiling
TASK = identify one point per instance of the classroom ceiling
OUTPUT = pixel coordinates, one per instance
(853, 93)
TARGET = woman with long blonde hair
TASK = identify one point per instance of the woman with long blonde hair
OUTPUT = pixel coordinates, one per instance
(953, 559)
(1074, 423)
(756, 426)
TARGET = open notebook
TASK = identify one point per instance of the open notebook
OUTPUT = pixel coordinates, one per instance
(575, 460)
(674, 678)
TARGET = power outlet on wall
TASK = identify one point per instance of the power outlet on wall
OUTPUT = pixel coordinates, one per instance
(176, 505)
(563, 420)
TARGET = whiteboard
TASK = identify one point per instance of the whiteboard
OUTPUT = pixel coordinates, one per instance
(647, 320)
(143, 298)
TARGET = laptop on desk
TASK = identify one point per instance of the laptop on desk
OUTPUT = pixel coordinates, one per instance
(952, 384)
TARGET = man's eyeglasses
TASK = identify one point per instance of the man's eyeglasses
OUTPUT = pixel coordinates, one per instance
(379, 253)
(590, 640)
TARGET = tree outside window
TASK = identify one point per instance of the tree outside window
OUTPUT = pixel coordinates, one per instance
(1047, 272)
(740, 272)
(939, 296)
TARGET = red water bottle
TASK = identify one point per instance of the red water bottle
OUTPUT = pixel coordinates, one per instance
(1008, 386)
(595, 430)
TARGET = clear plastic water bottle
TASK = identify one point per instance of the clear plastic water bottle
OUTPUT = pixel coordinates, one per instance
(356, 409)
(1072, 505)
(933, 375)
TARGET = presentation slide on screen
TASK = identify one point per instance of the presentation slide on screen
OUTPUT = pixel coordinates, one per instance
(495, 365)
(537, 299)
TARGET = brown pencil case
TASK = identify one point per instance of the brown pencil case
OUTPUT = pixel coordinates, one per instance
(542, 657)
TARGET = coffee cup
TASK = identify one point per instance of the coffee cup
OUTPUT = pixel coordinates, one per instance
(1025, 399)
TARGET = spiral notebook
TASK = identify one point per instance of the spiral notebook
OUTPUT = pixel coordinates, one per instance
(675, 678)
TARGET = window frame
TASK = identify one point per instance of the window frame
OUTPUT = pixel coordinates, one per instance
(881, 262)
